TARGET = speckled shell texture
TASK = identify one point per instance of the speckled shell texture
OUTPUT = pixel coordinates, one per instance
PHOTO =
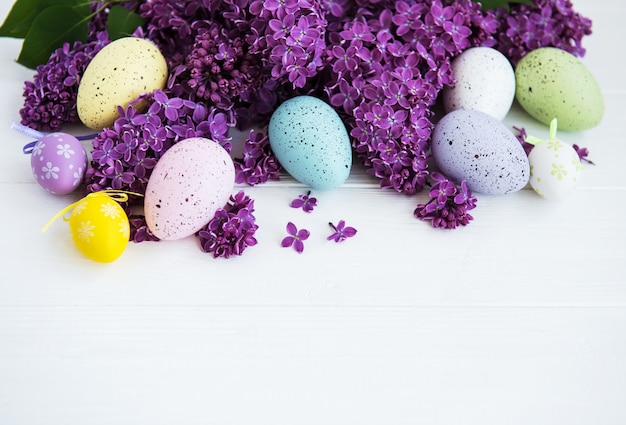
(484, 81)
(552, 83)
(119, 73)
(191, 181)
(311, 142)
(476, 147)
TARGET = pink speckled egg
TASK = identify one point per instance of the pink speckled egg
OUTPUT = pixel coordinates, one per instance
(59, 161)
(191, 181)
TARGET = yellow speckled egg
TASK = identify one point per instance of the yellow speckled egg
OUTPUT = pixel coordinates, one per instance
(552, 83)
(118, 74)
(99, 227)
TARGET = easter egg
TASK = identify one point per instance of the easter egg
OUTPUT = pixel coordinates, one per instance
(555, 169)
(311, 142)
(484, 81)
(191, 181)
(99, 228)
(476, 147)
(118, 74)
(552, 83)
(555, 166)
(58, 161)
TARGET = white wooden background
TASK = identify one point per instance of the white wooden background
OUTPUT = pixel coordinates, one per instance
(519, 318)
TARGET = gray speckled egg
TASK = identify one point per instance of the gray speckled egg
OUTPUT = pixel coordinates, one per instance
(119, 73)
(191, 181)
(552, 83)
(484, 81)
(311, 142)
(476, 147)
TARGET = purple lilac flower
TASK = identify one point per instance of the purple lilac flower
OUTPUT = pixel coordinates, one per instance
(139, 231)
(258, 163)
(50, 98)
(545, 23)
(449, 205)
(304, 201)
(582, 154)
(341, 232)
(296, 237)
(521, 137)
(124, 155)
(388, 63)
(232, 228)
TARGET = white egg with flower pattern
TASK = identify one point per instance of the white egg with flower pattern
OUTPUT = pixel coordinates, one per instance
(555, 169)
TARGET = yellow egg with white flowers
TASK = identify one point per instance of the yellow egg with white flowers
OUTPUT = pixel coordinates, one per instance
(99, 227)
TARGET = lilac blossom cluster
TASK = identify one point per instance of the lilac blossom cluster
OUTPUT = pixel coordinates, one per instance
(546, 23)
(238, 54)
(257, 164)
(381, 64)
(50, 98)
(232, 228)
(124, 155)
(388, 62)
(449, 205)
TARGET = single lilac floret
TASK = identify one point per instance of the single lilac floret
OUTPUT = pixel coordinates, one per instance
(295, 238)
(341, 232)
(304, 201)
(582, 154)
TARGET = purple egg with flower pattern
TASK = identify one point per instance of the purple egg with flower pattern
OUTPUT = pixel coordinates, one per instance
(476, 147)
(59, 161)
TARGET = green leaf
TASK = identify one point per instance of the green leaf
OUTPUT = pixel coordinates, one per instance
(16, 22)
(494, 4)
(50, 29)
(20, 19)
(122, 22)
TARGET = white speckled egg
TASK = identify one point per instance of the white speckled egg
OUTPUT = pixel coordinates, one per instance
(59, 161)
(555, 169)
(476, 147)
(552, 83)
(311, 142)
(191, 181)
(118, 74)
(484, 81)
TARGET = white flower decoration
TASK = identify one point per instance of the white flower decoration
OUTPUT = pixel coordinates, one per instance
(50, 171)
(85, 231)
(124, 230)
(110, 210)
(38, 148)
(78, 176)
(65, 150)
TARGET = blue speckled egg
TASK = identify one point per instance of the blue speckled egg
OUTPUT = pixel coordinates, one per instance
(476, 147)
(311, 142)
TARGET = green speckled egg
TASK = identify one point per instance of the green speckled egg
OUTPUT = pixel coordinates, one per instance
(119, 73)
(552, 83)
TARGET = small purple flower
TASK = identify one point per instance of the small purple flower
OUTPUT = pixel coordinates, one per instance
(582, 154)
(232, 228)
(295, 238)
(448, 207)
(304, 201)
(521, 137)
(341, 232)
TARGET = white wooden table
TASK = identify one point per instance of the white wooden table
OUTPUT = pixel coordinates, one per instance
(519, 318)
